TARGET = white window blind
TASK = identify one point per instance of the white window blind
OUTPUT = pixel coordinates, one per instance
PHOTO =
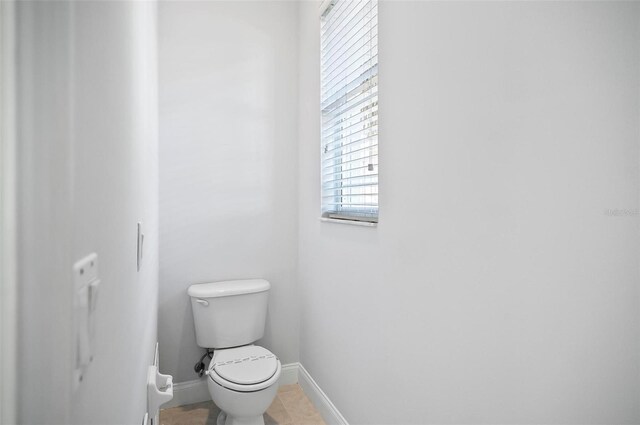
(349, 103)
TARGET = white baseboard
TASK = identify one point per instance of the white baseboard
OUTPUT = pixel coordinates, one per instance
(327, 409)
(189, 392)
(196, 391)
(289, 374)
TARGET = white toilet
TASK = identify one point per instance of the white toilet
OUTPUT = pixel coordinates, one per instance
(242, 378)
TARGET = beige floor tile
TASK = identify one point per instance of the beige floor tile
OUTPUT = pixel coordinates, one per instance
(277, 414)
(290, 407)
(286, 388)
(193, 414)
(300, 408)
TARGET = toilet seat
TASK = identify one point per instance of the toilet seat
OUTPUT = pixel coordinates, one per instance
(244, 369)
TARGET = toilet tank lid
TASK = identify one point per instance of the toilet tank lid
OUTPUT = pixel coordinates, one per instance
(228, 287)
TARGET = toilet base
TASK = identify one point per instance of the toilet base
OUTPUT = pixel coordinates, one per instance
(223, 419)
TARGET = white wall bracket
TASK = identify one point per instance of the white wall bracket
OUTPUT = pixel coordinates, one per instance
(140, 250)
(159, 390)
(86, 283)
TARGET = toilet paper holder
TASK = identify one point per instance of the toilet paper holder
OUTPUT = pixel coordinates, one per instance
(159, 390)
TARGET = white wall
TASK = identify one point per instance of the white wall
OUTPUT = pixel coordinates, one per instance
(8, 214)
(88, 174)
(45, 230)
(228, 153)
(495, 289)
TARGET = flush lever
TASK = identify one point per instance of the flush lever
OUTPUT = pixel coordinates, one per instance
(203, 302)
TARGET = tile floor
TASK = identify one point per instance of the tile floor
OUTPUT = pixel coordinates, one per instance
(291, 407)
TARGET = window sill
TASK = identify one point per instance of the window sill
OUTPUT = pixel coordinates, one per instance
(349, 222)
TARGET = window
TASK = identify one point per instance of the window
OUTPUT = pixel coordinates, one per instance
(349, 104)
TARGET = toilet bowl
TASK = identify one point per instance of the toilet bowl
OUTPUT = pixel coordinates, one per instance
(243, 382)
(242, 378)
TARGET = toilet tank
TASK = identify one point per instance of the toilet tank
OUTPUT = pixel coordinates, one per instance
(229, 313)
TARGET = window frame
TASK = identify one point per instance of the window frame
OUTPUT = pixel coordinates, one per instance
(364, 216)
